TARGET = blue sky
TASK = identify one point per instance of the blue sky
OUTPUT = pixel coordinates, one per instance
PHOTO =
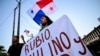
(82, 13)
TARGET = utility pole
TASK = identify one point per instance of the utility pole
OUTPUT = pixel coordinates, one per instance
(18, 27)
(14, 23)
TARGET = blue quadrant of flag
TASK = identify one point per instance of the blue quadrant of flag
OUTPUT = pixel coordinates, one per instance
(38, 16)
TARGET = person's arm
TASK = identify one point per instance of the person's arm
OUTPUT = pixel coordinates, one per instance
(23, 39)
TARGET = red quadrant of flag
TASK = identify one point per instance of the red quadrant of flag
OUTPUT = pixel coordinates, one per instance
(43, 3)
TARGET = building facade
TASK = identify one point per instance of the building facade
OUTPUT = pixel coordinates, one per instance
(92, 41)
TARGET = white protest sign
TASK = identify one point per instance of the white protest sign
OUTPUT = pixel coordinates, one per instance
(58, 39)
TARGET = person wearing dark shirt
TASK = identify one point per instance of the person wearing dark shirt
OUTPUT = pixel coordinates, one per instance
(45, 21)
(15, 48)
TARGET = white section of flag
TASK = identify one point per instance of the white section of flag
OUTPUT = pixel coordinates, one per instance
(49, 8)
(35, 9)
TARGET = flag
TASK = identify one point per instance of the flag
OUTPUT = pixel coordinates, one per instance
(42, 8)
(26, 31)
(43, 3)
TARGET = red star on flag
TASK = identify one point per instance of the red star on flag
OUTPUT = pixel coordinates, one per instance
(51, 8)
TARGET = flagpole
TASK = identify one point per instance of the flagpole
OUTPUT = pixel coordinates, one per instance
(18, 28)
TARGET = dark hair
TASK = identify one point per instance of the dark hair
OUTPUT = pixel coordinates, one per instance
(49, 21)
(17, 39)
(16, 36)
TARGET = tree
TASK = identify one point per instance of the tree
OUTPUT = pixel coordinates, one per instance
(2, 51)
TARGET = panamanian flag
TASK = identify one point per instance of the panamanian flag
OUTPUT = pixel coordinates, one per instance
(41, 8)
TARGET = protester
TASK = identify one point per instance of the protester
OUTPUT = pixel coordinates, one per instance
(45, 21)
(15, 48)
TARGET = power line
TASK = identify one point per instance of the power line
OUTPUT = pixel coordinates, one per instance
(29, 23)
(30, 2)
(24, 1)
(5, 20)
